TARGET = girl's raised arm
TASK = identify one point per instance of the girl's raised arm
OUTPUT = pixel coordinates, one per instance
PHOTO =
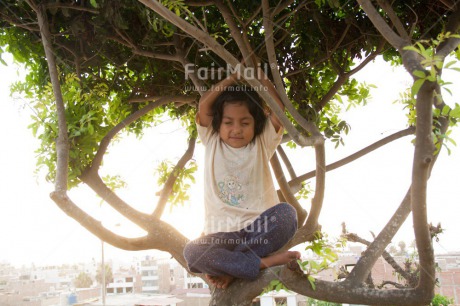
(204, 114)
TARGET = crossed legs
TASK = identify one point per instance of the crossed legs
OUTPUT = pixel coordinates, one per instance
(242, 254)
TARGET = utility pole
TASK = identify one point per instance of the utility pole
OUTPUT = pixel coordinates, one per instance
(103, 273)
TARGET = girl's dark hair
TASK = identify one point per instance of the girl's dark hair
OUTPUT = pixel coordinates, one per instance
(239, 94)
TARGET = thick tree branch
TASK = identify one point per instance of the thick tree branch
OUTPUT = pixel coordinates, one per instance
(396, 41)
(95, 226)
(286, 162)
(386, 6)
(423, 159)
(286, 191)
(320, 181)
(62, 142)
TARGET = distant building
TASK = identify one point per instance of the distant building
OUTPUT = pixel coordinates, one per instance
(124, 283)
(449, 275)
(156, 275)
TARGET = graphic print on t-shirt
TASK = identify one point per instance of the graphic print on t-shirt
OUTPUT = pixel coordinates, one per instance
(231, 191)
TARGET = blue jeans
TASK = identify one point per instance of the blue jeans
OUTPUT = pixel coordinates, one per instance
(238, 253)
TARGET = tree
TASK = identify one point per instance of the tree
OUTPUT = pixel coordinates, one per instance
(83, 280)
(107, 273)
(108, 66)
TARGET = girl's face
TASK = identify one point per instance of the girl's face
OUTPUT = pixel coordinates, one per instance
(237, 126)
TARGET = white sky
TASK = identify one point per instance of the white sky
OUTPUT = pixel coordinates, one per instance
(364, 194)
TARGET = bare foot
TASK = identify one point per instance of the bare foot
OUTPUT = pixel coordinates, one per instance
(279, 259)
(220, 281)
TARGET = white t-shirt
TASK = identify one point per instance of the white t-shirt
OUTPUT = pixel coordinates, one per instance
(238, 184)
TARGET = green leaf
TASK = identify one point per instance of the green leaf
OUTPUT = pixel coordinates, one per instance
(416, 87)
(412, 48)
(311, 279)
(455, 113)
(445, 110)
(450, 64)
(93, 3)
(419, 73)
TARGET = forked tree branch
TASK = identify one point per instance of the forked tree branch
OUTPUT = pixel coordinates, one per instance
(91, 177)
(385, 5)
(396, 41)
